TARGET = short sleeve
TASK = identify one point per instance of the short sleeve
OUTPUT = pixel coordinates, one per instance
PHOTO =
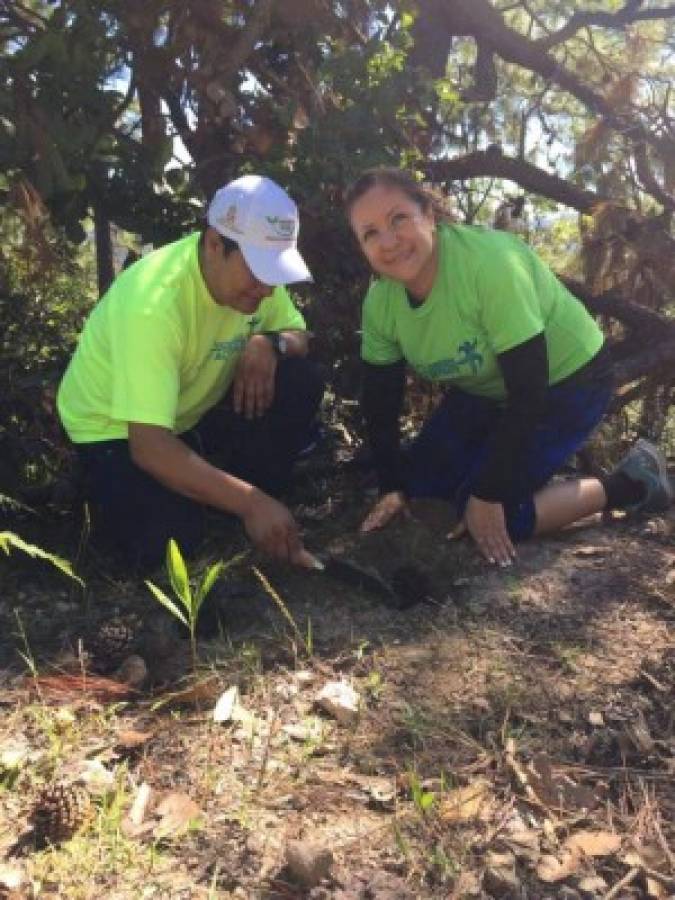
(511, 310)
(279, 313)
(379, 345)
(145, 367)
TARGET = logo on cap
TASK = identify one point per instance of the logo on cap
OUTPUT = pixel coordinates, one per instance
(283, 228)
(228, 219)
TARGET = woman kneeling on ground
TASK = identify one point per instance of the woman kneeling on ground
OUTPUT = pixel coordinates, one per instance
(526, 371)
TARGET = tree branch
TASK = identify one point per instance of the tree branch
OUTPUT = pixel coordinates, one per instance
(629, 13)
(648, 179)
(479, 19)
(650, 323)
(493, 164)
(252, 32)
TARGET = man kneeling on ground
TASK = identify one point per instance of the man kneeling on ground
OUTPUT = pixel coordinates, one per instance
(197, 350)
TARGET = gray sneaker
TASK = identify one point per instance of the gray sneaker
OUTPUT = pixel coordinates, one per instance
(645, 463)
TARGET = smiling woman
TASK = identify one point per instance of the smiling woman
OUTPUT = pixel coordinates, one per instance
(526, 371)
(398, 237)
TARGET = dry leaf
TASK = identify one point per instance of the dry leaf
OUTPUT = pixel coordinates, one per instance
(206, 691)
(305, 678)
(307, 731)
(14, 752)
(140, 805)
(175, 812)
(655, 889)
(590, 551)
(558, 791)
(63, 687)
(551, 869)
(639, 734)
(11, 877)
(463, 804)
(339, 700)
(593, 843)
(225, 705)
(131, 739)
(98, 780)
(575, 849)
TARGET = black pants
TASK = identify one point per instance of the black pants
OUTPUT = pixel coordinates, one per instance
(134, 515)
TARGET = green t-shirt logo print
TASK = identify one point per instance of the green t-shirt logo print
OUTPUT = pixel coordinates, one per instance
(491, 293)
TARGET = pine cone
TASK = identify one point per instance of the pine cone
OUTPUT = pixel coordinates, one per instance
(114, 640)
(59, 811)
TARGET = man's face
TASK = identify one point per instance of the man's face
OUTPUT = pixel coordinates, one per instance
(228, 277)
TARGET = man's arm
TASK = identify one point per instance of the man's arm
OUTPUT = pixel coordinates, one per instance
(168, 459)
(253, 386)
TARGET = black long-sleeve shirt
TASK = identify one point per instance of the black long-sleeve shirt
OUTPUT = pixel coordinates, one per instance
(525, 372)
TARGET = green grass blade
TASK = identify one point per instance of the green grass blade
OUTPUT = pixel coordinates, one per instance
(161, 597)
(8, 539)
(178, 574)
(210, 577)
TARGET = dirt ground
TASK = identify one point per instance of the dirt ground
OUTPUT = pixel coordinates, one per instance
(511, 733)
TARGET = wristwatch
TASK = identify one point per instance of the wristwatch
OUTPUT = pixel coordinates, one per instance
(278, 341)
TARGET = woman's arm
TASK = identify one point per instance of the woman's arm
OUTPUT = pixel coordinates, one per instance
(525, 372)
(382, 400)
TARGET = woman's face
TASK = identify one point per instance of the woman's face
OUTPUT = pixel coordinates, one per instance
(397, 236)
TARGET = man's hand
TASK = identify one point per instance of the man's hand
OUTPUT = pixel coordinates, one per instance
(253, 387)
(387, 508)
(486, 524)
(272, 528)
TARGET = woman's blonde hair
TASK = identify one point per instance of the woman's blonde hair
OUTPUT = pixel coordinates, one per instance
(383, 176)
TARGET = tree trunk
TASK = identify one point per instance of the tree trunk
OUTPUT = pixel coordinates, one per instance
(104, 250)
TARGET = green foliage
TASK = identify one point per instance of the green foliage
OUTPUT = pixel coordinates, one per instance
(45, 291)
(423, 800)
(11, 541)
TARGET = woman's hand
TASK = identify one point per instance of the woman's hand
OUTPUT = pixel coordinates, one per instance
(387, 508)
(486, 524)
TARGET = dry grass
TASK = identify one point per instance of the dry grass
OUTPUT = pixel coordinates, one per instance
(515, 714)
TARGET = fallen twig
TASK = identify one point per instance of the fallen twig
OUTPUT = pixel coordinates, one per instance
(627, 879)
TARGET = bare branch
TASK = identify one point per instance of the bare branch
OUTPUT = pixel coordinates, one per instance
(479, 19)
(651, 324)
(648, 179)
(22, 16)
(494, 164)
(254, 29)
(629, 13)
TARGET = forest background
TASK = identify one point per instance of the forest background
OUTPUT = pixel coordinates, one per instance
(118, 120)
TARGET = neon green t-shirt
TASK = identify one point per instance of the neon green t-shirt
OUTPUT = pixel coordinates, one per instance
(491, 294)
(158, 349)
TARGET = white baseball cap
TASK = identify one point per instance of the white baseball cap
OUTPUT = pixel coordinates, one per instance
(263, 220)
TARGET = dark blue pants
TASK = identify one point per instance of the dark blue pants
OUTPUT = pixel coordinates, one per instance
(450, 449)
(134, 515)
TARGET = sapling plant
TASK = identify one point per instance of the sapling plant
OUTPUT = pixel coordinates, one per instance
(190, 600)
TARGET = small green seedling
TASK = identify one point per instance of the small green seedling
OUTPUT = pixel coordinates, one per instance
(190, 601)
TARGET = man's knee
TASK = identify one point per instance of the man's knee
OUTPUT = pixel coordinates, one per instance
(300, 383)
